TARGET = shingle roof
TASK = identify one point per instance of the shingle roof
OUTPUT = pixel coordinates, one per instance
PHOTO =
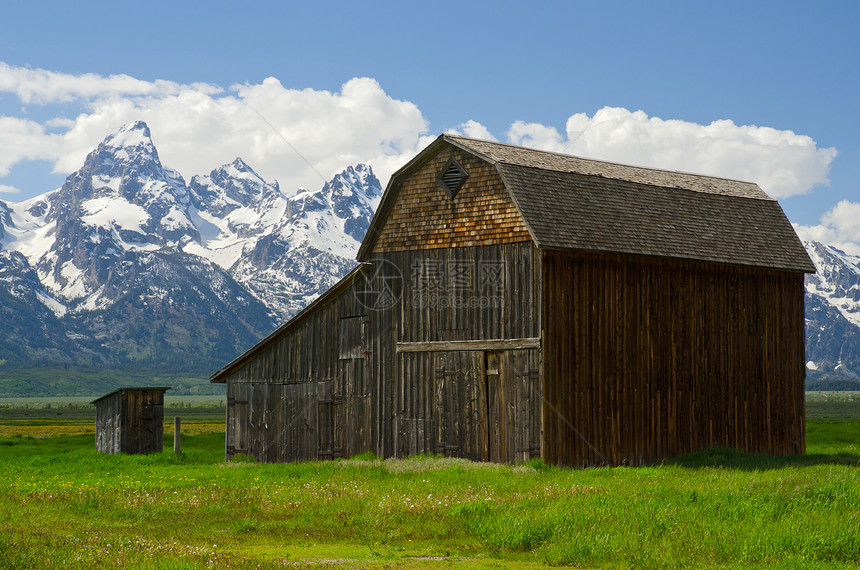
(581, 212)
(509, 154)
(590, 205)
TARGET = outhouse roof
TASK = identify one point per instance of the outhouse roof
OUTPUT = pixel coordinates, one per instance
(127, 388)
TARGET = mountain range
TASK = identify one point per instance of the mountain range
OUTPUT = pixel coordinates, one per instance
(129, 266)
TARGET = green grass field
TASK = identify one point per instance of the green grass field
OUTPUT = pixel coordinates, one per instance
(64, 505)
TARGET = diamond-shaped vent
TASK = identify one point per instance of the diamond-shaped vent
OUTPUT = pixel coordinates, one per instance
(452, 177)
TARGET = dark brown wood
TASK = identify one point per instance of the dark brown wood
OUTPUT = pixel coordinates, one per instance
(468, 345)
(460, 337)
(646, 358)
(177, 434)
(130, 420)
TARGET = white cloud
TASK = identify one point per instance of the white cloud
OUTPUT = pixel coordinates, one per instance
(22, 139)
(839, 226)
(6, 189)
(781, 162)
(535, 135)
(472, 129)
(199, 127)
(43, 86)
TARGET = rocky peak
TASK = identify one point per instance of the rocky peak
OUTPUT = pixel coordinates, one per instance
(230, 187)
(354, 195)
(5, 218)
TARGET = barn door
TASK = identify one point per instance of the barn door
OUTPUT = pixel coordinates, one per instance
(356, 407)
(488, 405)
(460, 405)
(298, 422)
(514, 405)
(528, 404)
(496, 408)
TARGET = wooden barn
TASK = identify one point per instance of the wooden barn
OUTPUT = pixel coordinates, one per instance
(512, 303)
(130, 420)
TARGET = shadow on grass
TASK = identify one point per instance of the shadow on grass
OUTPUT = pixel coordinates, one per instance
(741, 460)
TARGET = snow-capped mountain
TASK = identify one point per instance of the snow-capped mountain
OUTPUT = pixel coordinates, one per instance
(832, 314)
(313, 244)
(5, 219)
(132, 265)
(126, 264)
(286, 250)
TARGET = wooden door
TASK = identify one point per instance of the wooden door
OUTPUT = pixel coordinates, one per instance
(460, 405)
(151, 437)
(514, 405)
(488, 405)
(497, 444)
(356, 407)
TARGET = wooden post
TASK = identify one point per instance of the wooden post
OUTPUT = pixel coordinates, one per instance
(176, 435)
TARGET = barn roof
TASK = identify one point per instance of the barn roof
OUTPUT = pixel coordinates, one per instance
(330, 293)
(580, 204)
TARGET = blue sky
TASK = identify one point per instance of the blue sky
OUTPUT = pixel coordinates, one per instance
(766, 91)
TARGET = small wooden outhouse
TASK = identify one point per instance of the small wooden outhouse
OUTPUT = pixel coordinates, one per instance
(130, 420)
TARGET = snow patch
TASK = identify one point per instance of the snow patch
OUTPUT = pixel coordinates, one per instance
(207, 229)
(55, 306)
(130, 135)
(109, 212)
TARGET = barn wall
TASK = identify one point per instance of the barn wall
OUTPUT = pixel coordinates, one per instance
(335, 384)
(646, 359)
(286, 402)
(424, 217)
(440, 398)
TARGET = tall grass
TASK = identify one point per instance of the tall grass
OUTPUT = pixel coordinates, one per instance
(63, 504)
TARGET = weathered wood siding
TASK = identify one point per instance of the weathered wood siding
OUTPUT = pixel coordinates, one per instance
(130, 421)
(649, 358)
(306, 395)
(109, 423)
(425, 217)
(477, 403)
(334, 385)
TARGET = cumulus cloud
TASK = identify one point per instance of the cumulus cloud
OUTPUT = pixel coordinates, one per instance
(839, 226)
(43, 86)
(781, 162)
(23, 139)
(472, 129)
(535, 135)
(6, 189)
(298, 137)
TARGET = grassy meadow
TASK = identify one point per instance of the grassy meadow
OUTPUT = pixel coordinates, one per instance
(62, 504)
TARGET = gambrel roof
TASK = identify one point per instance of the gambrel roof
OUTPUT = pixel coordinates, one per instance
(590, 205)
